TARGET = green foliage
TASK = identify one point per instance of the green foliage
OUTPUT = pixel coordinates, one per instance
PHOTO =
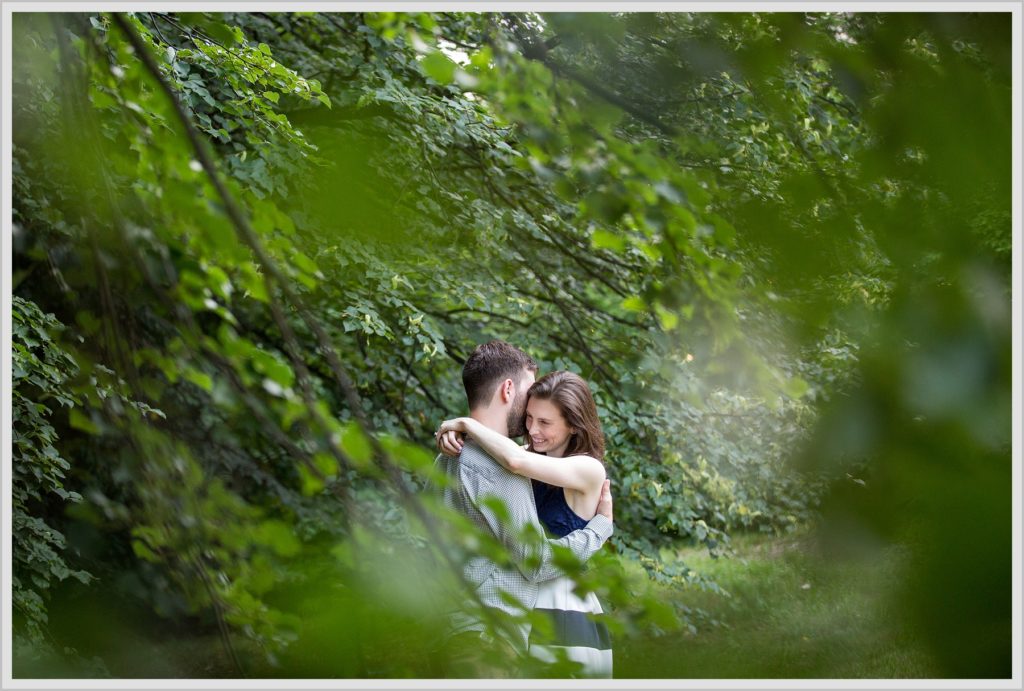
(757, 236)
(41, 372)
(791, 611)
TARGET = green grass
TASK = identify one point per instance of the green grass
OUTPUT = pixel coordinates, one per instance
(792, 613)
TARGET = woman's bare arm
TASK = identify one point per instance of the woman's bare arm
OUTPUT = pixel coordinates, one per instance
(582, 473)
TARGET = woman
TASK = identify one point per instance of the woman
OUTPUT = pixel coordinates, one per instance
(563, 458)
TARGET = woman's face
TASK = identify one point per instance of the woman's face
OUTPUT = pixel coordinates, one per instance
(548, 430)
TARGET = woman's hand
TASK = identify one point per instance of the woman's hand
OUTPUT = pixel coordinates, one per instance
(456, 424)
(449, 443)
(449, 436)
(604, 502)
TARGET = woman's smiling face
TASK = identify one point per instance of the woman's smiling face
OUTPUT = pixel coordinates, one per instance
(548, 430)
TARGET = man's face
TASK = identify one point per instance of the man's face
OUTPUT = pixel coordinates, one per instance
(517, 413)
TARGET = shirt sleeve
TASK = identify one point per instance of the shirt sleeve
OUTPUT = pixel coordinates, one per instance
(534, 560)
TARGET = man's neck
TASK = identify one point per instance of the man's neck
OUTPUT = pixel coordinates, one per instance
(491, 418)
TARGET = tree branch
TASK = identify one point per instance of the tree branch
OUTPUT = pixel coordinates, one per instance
(273, 273)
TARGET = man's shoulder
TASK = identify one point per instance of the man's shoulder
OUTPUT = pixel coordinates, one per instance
(474, 453)
(474, 459)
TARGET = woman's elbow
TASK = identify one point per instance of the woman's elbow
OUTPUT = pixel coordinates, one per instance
(515, 463)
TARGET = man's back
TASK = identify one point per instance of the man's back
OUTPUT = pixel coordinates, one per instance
(479, 476)
(476, 477)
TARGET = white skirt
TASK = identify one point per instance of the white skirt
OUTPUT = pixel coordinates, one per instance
(576, 635)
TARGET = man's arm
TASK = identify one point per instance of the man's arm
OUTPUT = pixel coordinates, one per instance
(604, 521)
(535, 562)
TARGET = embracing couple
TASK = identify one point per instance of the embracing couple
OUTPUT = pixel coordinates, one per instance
(556, 484)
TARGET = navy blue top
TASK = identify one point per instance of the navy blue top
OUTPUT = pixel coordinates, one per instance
(553, 510)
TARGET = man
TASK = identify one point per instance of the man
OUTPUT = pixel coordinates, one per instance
(496, 377)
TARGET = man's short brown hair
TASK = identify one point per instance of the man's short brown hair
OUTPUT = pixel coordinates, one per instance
(490, 363)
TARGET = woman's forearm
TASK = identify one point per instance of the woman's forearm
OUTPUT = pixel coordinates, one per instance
(496, 444)
(582, 473)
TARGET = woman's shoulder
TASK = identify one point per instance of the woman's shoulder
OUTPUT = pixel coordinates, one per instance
(587, 459)
(594, 465)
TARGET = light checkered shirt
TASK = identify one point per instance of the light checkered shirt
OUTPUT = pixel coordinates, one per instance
(475, 476)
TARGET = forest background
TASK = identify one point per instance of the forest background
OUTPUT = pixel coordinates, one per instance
(251, 251)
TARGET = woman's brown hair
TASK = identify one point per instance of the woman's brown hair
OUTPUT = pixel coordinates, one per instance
(570, 393)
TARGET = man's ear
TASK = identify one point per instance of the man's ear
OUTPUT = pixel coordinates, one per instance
(508, 390)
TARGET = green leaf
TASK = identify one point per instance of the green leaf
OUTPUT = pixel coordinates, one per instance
(668, 319)
(144, 552)
(200, 379)
(634, 303)
(223, 33)
(310, 483)
(220, 233)
(795, 387)
(355, 444)
(279, 536)
(101, 99)
(254, 283)
(305, 263)
(439, 67)
(278, 371)
(325, 463)
(498, 507)
(78, 420)
(604, 239)
(272, 96)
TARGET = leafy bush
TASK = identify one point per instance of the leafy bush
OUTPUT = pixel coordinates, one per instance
(274, 238)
